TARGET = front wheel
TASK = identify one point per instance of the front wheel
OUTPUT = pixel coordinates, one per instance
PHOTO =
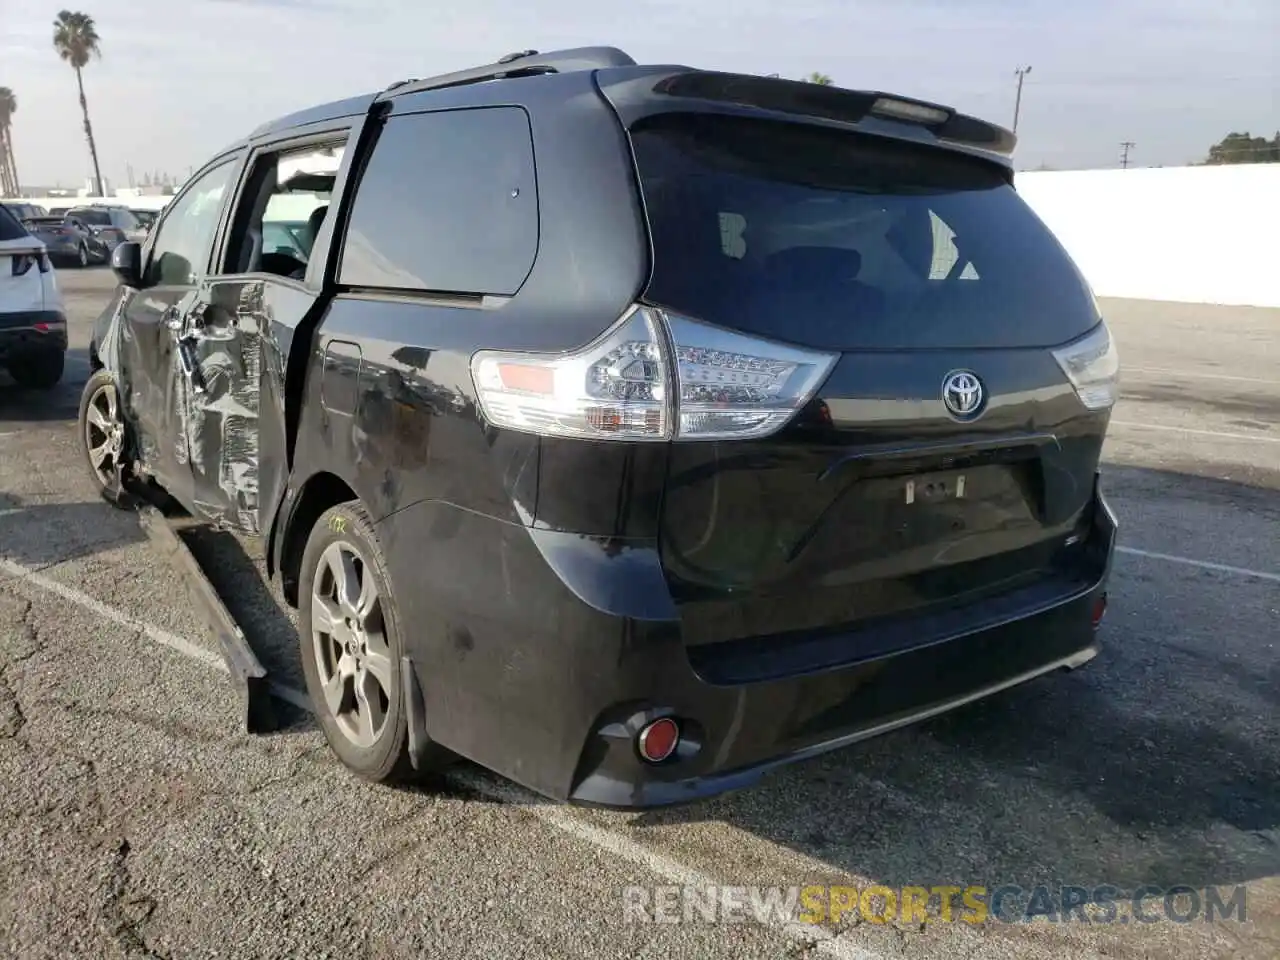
(105, 438)
(352, 645)
(82, 256)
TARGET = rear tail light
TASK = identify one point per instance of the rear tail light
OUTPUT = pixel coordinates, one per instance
(1092, 364)
(23, 262)
(654, 375)
(1099, 610)
(910, 110)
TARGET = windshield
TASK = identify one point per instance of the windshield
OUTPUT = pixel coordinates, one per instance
(840, 240)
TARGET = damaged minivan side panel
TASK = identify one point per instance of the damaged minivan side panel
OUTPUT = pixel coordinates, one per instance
(157, 343)
(201, 352)
(221, 351)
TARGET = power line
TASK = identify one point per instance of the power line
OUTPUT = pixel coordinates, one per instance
(1017, 103)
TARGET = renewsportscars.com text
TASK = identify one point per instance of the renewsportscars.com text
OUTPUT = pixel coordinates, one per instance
(972, 904)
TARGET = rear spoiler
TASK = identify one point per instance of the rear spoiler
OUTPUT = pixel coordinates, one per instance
(825, 102)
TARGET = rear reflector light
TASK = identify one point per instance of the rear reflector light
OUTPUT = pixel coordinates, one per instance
(909, 110)
(654, 375)
(1099, 609)
(657, 741)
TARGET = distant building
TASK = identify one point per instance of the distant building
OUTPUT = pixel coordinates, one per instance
(90, 188)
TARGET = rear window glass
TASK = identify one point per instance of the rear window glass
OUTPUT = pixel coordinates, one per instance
(10, 227)
(98, 218)
(841, 240)
(447, 203)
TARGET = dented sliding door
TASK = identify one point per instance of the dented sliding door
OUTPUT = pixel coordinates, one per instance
(220, 357)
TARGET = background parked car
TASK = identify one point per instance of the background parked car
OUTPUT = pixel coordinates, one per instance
(114, 225)
(69, 241)
(22, 210)
(33, 323)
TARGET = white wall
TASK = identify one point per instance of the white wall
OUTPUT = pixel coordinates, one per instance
(137, 203)
(1193, 234)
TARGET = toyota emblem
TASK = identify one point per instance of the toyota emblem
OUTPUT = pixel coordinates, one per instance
(962, 394)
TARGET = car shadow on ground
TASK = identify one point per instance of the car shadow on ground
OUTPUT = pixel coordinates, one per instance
(1158, 763)
(19, 405)
(38, 535)
(236, 570)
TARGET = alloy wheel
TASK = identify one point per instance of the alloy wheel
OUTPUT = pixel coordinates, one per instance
(84, 255)
(104, 433)
(349, 642)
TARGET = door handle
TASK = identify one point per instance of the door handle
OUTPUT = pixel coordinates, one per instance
(187, 359)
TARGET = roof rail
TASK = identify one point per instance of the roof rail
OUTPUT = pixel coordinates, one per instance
(525, 63)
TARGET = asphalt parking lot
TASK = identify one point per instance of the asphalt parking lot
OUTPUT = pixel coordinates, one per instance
(138, 821)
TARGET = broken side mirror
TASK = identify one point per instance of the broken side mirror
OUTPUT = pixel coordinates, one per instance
(126, 263)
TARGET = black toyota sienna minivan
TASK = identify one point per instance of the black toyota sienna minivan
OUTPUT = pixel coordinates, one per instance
(628, 430)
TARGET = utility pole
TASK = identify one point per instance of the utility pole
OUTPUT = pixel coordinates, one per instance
(1124, 153)
(1021, 73)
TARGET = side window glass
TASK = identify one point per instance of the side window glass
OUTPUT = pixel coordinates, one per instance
(185, 236)
(282, 209)
(447, 203)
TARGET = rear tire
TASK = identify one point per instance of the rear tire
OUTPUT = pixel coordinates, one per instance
(352, 643)
(41, 371)
(106, 439)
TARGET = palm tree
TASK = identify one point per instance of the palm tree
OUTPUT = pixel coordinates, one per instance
(818, 78)
(8, 164)
(75, 37)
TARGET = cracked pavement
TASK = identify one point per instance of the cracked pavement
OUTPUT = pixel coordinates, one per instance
(138, 821)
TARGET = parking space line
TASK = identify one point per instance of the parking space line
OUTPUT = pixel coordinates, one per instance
(1197, 375)
(1204, 433)
(556, 816)
(153, 633)
(1202, 564)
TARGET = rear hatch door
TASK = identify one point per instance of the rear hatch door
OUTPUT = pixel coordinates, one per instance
(946, 460)
(21, 289)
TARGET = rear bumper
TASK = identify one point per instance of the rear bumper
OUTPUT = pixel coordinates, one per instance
(62, 248)
(28, 332)
(547, 672)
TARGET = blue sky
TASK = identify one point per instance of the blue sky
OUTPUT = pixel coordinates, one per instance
(181, 78)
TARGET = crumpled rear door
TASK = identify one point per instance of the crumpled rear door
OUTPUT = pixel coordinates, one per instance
(220, 358)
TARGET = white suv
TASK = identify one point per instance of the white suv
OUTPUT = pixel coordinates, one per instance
(33, 323)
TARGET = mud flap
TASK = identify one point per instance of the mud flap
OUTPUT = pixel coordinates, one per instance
(247, 673)
(415, 713)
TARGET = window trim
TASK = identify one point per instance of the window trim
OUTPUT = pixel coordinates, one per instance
(346, 130)
(235, 156)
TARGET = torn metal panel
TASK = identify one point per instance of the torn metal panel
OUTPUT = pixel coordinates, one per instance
(223, 338)
(250, 677)
(189, 365)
